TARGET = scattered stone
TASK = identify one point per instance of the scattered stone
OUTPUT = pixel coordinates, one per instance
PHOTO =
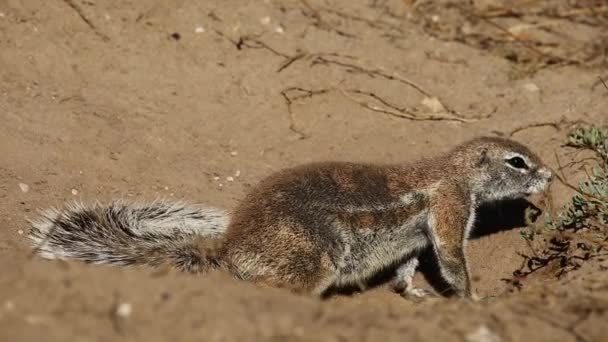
(24, 187)
(230, 179)
(265, 20)
(234, 153)
(237, 173)
(482, 334)
(74, 192)
(9, 305)
(434, 104)
(124, 310)
(34, 319)
(279, 30)
(199, 29)
(20, 232)
(531, 87)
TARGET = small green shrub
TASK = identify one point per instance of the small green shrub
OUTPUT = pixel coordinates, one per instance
(579, 232)
(588, 208)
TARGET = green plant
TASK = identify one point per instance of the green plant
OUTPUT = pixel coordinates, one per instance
(579, 232)
(589, 206)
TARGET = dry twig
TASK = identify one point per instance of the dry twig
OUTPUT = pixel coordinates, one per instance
(529, 46)
(603, 82)
(72, 4)
(300, 93)
(392, 110)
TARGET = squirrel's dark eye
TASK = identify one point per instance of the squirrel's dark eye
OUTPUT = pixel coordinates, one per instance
(518, 163)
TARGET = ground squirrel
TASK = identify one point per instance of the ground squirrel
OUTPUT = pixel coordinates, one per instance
(313, 227)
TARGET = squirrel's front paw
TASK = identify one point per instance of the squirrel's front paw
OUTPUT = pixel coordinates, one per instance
(417, 294)
(474, 297)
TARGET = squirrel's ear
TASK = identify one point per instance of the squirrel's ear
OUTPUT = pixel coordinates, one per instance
(482, 157)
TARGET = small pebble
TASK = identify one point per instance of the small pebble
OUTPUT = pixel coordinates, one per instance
(220, 185)
(531, 87)
(435, 18)
(1, 15)
(24, 187)
(216, 178)
(433, 104)
(234, 153)
(237, 173)
(482, 334)
(9, 305)
(230, 179)
(265, 20)
(20, 232)
(279, 30)
(199, 29)
(166, 188)
(124, 310)
(34, 319)
(74, 192)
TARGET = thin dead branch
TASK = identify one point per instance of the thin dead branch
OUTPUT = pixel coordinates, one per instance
(320, 23)
(391, 76)
(322, 60)
(526, 44)
(252, 42)
(603, 82)
(516, 130)
(290, 61)
(577, 162)
(86, 20)
(292, 94)
(557, 125)
(562, 179)
(395, 111)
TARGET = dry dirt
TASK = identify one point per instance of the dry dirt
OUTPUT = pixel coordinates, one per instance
(147, 99)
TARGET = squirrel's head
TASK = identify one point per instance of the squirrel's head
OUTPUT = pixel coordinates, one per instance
(502, 169)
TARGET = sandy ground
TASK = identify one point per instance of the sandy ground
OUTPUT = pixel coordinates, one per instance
(149, 99)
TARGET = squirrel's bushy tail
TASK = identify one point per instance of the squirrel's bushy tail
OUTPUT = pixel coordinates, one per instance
(129, 234)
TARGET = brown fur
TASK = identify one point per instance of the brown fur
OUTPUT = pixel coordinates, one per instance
(315, 226)
(290, 230)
